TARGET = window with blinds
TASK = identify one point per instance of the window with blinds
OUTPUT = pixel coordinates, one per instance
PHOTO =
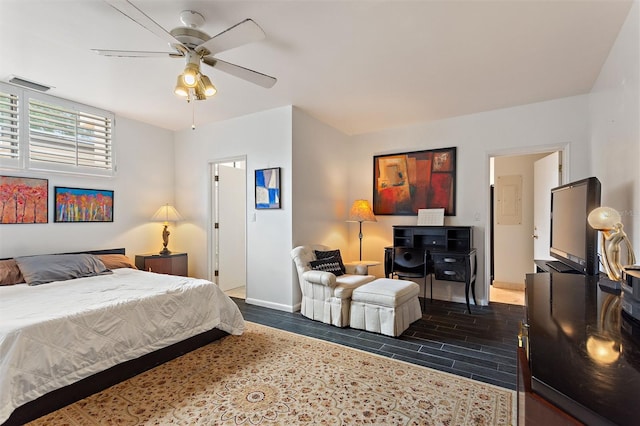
(9, 127)
(41, 132)
(60, 135)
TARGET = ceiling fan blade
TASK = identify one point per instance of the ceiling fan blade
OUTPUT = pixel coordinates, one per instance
(244, 32)
(139, 17)
(251, 76)
(137, 54)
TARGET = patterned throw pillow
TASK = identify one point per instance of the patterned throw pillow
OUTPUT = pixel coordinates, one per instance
(329, 264)
(331, 253)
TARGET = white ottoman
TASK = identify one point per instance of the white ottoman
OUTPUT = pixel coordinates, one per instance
(385, 306)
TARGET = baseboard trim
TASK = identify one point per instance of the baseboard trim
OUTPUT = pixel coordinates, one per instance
(508, 286)
(271, 305)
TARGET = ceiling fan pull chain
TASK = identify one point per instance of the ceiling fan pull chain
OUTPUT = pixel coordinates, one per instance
(193, 115)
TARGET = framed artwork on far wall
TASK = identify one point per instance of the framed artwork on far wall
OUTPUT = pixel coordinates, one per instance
(23, 200)
(407, 182)
(268, 188)
(83, 205)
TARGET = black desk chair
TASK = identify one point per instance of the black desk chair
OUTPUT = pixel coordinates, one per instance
(411, 263)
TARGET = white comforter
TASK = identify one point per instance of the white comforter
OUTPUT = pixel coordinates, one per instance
(55, 334)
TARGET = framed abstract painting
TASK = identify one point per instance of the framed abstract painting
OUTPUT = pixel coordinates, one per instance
(83, 205)
(407, 182)
(268, 188)
(23, 200)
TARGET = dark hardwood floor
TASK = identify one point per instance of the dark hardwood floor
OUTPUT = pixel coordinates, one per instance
(480, 346)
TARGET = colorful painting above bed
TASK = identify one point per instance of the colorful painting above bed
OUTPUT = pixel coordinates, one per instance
(23, 200)
(83, 205)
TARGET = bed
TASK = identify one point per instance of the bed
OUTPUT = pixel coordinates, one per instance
(65, 339)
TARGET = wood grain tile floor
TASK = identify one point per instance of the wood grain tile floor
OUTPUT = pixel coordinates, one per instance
(480, 346)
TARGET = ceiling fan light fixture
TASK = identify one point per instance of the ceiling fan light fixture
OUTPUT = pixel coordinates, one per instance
(181, 89)
(190, 75)
(209, 88)
(194, 45)
(199, 93)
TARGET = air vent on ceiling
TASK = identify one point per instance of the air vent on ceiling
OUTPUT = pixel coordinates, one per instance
(28, 84)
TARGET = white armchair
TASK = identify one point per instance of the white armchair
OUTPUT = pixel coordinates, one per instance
(325, 297)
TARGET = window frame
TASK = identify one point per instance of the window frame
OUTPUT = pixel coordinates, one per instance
(24, 162)
(16, 163)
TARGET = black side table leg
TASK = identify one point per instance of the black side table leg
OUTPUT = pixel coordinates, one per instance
(466, 294)
(473, 292)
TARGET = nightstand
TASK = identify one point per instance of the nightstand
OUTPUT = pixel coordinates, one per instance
(172, 264)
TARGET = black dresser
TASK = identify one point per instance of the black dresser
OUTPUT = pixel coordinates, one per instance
(449, 248)
(580, 353)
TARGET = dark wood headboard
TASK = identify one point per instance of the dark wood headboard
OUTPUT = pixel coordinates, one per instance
(104, 251)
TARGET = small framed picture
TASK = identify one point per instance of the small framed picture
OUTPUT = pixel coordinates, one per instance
(83, 205)
(23, 200)
(268, 188)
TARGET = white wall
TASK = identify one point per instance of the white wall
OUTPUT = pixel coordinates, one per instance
(320, 183)
(320, 187)
(143, 183)
(265, 138)
(531, 127)
(614, 125)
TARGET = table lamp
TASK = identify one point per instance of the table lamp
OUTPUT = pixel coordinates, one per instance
(609, 223)
(361, 212)
(166, 214)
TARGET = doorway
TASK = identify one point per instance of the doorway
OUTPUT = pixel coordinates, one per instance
(228, 226)
(514, 192)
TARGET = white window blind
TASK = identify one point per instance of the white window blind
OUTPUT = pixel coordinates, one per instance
(50, 134)
(60, 135)
(9, 127)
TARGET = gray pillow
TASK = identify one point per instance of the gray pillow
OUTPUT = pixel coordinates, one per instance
(59, 267)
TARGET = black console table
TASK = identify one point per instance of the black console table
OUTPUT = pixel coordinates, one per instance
(580, 358)
(450, 252)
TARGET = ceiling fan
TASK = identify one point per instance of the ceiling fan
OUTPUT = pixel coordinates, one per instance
(195, 46)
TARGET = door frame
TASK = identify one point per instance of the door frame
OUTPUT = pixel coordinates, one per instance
(211, 254)
(565, 153)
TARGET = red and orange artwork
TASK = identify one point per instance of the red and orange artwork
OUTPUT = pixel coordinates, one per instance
(23, 200)
(407, 182)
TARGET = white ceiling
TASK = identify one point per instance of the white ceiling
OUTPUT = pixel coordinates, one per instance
(360, 66)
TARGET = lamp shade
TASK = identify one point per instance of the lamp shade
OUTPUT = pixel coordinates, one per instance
(181, 89)
(190, 75)
(166, 214)
(209, 88)
(604, 218)
(361, 212)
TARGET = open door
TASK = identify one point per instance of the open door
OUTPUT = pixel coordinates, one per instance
(229, 224)
(546, 175)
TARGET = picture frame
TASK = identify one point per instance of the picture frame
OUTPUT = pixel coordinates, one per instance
(24, 200)
(267, 188)
(82, 205)
(407, 182)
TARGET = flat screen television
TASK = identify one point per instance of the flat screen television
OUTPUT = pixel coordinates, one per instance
(573, 242)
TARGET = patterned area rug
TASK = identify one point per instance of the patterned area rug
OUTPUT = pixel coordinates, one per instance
(268, 376)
